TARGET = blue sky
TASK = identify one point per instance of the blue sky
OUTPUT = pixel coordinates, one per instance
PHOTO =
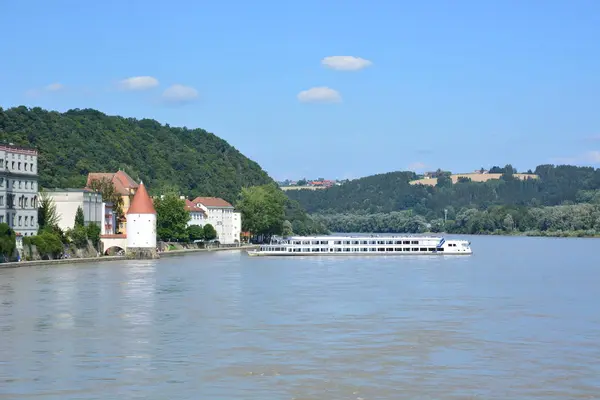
(451, 84)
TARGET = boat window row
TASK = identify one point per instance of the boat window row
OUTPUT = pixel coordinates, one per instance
(355, 242)
(351, 249)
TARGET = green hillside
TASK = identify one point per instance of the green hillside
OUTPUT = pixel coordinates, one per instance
(192, 161)
(565, 198)
(76, 142)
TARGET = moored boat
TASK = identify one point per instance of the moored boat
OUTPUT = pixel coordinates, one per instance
(363, 245)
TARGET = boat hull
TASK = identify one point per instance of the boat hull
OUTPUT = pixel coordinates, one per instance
(349, 254)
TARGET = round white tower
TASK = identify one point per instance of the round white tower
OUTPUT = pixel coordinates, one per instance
(141, 221)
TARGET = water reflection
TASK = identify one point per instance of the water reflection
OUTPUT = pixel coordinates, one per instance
(227, 326)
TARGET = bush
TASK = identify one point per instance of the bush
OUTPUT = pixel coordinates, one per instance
(93, 234)
(79, 236)
(48, 244)
(195, 232)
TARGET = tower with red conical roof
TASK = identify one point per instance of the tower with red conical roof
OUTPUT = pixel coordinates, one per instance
(141, 225)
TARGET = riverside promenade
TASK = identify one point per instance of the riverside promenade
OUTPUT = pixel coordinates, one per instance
(171, 253)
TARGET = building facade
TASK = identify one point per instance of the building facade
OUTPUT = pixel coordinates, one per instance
(110, 220)
(197, 214)
(123, 185)
(68, 200)
(19, 189)
(222, 216)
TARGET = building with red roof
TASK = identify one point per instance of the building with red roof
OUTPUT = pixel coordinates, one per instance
(220, 214)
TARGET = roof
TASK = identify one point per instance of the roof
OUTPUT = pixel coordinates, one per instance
(141, 203)
(191, 207)
(122, 182)
(74, 190)
(216, 202)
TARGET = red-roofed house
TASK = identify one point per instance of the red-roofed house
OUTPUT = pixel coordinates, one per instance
(124, 185)
(197, 214)
(220, 214)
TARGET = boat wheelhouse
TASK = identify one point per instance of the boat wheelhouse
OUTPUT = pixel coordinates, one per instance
(363, 245)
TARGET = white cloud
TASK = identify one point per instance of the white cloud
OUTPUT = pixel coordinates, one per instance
(591, 157)
(54, 87)
(346, 63)
(320, 94)
(179, 94)
(138, 83)
(416, 166)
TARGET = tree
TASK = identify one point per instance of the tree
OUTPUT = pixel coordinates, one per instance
(509, 223)
(47, 215)
(443, 181)
(79, 218)
(93, 234)
(301, 182)
(172, 218)
(8, 241)
(195, 232)
(79, 236)
(109, 194)
(209, 232)
(263, 210)
(48, 244)
(287, 228)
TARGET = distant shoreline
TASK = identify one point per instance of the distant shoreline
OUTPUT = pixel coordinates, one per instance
(550, 234)
(171, 253)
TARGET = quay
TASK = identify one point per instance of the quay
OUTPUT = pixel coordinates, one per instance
(171, 253)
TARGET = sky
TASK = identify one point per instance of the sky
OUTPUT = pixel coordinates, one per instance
(321, 88)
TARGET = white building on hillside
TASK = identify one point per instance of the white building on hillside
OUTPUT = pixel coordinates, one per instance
(220, 214)
(68, 200)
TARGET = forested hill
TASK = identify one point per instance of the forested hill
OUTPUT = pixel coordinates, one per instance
(73, 143)
(384, 193)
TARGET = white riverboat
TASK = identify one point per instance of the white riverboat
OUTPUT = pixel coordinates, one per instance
(363, 245)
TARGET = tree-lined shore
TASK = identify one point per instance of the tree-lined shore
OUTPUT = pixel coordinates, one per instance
(563, 201)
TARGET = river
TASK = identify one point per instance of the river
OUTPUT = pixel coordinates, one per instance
(518, 319)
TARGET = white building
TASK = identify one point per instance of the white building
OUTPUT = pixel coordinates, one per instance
(68, 200)
(19, 189)
(197, 214)
(141, 221)
(220, 214)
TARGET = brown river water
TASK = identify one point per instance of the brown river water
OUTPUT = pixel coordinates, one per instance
(519, 319)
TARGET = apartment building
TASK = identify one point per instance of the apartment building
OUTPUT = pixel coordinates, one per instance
(19, 188)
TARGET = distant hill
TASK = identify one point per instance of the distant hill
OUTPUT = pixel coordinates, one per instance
(396, 191)
(193, 161)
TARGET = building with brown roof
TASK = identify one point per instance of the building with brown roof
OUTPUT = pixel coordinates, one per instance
(221, 215)
(197, 214)
(123, 184)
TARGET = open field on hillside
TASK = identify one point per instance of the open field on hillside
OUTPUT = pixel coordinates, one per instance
(475, 177)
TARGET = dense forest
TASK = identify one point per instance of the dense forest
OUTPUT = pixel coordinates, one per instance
(564, 200)
(193, 162)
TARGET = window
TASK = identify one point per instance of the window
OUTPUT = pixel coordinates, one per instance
(1, 200)
(25, 165)
(1, 219)
(2, 163)
(26, 202)
(19, 166)
(13, 164)
(20, 220)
